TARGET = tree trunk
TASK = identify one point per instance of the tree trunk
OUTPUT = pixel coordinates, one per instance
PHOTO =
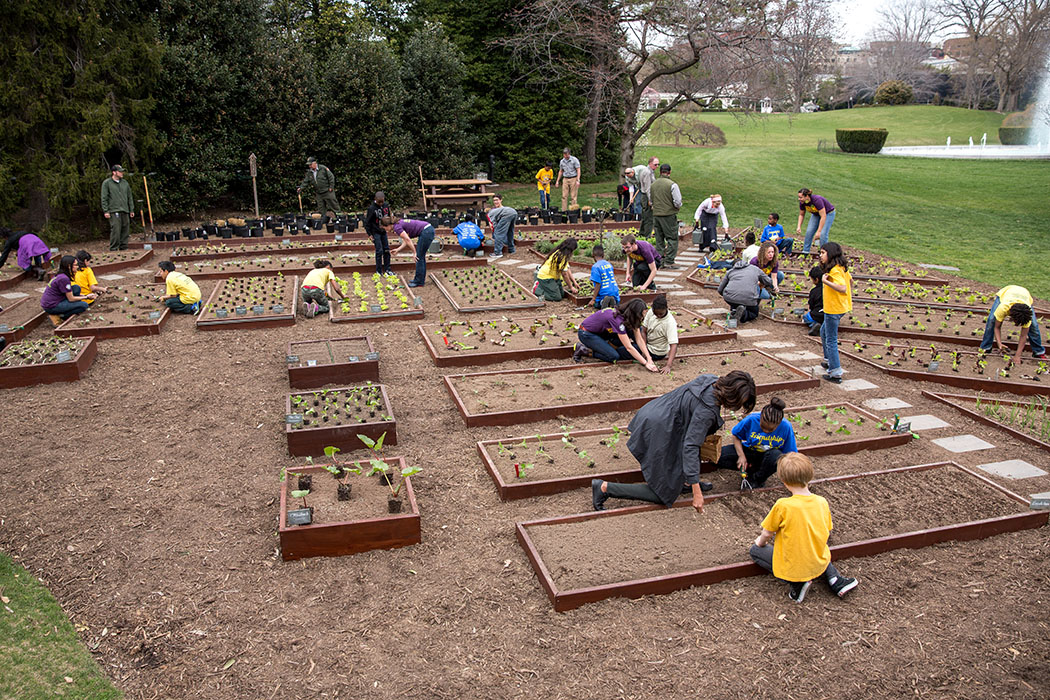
(39, 208)
(590, 138)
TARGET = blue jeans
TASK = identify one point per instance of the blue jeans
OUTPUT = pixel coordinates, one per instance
(67, 308)
(1035, 337)
(382, 246)
(829, 337)
(786, 244)
(811, 230)
(763, 293)
(426, 237)
(545, 200)
(180, 307)
(603, 349)
(503, 235)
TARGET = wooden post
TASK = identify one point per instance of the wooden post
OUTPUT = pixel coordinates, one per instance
(149, 207)
(254, 171)
(422, 187)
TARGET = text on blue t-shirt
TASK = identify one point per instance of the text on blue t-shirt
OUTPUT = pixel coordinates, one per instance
(749, 432)
(769, 231)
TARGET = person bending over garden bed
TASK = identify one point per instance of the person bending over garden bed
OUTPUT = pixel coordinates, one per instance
(661, 333)
(739, 288)
(642, 263)
(759, 440)
(604, 334)
(603, 279)
(1015, 302)
(667, 434)
(181, 294)
(801, 524)
(320, 285)
(555, 268)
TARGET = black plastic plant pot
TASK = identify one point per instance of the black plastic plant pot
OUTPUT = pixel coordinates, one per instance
(316, 224)
(618, 216)
(174, 236)
(211, 229)
(352, 225)
(574, 216)
(586, 217)
(342, 228)
(256, 232)
(226, 232)
(558, 218)
(240, 231)
(546, 216)
(329, 228)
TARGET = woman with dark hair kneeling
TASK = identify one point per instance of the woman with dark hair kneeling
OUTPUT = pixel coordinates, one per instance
(666, 436)
(61, 298)
(181, 294)
(598, 330)
(758, 442)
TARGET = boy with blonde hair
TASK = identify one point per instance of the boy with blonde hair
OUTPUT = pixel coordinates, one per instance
(801, 524)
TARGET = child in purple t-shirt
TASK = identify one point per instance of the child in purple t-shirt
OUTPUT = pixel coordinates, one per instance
(598, 330)
(642, 263)
(61, 297)
(822, 215)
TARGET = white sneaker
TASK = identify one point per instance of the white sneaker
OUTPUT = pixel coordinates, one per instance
(495, 256)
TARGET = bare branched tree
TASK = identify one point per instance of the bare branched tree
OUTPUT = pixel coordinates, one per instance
(976, 19)
(804, 47)
(1021, 34)
(901, 43)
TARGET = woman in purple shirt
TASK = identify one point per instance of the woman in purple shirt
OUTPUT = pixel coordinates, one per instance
(822, 216)
(62, 298)
(406, 230)
(598, 329)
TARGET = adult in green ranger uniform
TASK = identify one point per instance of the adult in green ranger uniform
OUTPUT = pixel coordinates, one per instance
(324, 186)
(119, 207)
(666, 200)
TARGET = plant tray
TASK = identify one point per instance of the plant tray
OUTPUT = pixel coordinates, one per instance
(552, 340)
(20, 318)
(310, 439)
(561, 469)
(115, 316)
(315, 363)
(233, 294)
(364, 289)
(734, 517)
(336, 539)
(82, 351)
(967, 406)
(495, 290)
(632, 386)
(113, 260)
(966, 377)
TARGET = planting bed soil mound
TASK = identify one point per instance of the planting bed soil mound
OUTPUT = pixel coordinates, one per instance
(44, 361)
(314, 363)
(123, 311)
(328, 352)
(266, 265)
(19, 318)
(338, 407)
(669, 541)
(368, 495)
(292, 248)
(112, 260)
(372, 297)
(1028, 419)
(627, 292)
(11, 274)
(483, 289)
(572, 384)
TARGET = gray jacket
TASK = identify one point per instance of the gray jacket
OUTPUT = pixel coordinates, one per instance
(740, 285)
(667, 432)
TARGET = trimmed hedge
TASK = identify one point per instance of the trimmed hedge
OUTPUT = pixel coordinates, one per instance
(861, 140)
(1014, 135)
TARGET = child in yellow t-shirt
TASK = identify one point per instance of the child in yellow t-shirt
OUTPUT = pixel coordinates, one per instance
(543, 184)
(85, 277)
(802, 524)
(838, 301)
(318, 286)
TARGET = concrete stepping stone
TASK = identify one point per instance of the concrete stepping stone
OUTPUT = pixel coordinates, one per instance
(963, 443)
(749, 332)
(139, 271)
(888, 404)
(508, 261)
(698, 302)
(670, 286)
(111, 278)
(855, 385)
(532, 266)
(713, 312)
(797, 356)
(684, 293)
(1012, 469)
(931, 266)
(925, 422)
(14, 295)
(773, 344)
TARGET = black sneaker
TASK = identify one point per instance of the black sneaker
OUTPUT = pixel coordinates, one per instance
(842, 585)
(833, 379)
(580, 351)
(824, 364)
(738, 314)
(706, 486)
(598, 497)
(798, 591)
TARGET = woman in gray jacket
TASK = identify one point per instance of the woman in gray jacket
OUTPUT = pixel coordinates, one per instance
(739, 289)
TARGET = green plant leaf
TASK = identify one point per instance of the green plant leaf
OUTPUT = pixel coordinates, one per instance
(410, 471)
(330, 451)
(369, 442)
(300, 494)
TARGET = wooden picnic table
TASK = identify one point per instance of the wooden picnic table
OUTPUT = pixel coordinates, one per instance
(467, 191)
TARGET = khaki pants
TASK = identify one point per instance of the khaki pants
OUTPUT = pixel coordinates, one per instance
(570, 186)
(327, 202)
(645, 224)
(119, 228)
(666, 228)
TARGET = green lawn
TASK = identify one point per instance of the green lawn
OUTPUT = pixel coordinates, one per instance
(988, 218)
(38, 648)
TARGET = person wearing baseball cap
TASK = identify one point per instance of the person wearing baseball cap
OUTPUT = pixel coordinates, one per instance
(324, 186)
(666, 199)
(118, 205)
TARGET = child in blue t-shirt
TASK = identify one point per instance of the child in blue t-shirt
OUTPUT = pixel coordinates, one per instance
(469, 237)
(603, 277)
(775, 232)
(759, 440)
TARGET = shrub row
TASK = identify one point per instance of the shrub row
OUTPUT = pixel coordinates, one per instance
(1014, 135)
(861, 140)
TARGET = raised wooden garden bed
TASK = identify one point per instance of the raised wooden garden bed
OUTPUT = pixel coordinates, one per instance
(128, 311)
(483, 289)
(255, 302)
(962, 368)
(113, 260)
(19, 318)
(343, 263)
(375, 298)
(314, 363)
(1028, 420)
(187, 253)
(45, 361)
(336, 417)
(525, 467)
(347, 527)
(11, 275)
(463, 343)
(965, 327)
(523, 395)
(626, 294)
(650, 550)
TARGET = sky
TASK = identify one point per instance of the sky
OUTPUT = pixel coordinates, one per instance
(856, 18)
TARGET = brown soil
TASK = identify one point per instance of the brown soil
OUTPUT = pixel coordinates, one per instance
(128, 305)
(661, 542)
(330, 408)
(109, 257)
(363, 291)
(480, 288)
(17, 313)
(328, 352)
(260, 249)
(248, 292)
(11, 269)
(952, 361)
(40, 351)
(1026, 416)
(588, 382)
(554, 458)
(151, 514)
(368, 496)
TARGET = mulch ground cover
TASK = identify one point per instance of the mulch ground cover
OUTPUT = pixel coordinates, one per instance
(146, 497)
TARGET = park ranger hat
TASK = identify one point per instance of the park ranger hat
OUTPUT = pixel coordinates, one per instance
(311, 160)
(118, 168)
